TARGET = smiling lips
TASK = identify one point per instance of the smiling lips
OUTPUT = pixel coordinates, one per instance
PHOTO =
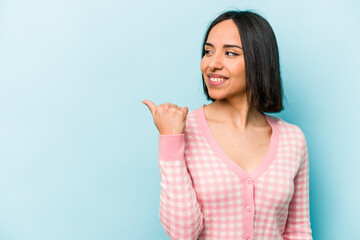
(216, 79)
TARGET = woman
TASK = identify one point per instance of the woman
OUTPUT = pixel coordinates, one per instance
(229, 171)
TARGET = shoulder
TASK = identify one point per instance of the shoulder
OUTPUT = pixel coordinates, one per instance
(191, 114)
(194, 114)
(289, 131)
(193, 119)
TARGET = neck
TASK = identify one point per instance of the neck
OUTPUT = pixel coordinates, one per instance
(238, 114)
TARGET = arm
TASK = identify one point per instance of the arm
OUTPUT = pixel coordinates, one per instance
(298, 222)
(180, 213)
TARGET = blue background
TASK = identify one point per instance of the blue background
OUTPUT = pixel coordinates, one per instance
(78, 149)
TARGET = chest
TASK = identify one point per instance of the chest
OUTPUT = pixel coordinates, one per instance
(247, 149)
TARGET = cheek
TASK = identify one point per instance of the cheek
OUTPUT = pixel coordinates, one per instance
(238, 69)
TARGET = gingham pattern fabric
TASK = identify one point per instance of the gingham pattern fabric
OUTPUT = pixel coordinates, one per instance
(206, 195)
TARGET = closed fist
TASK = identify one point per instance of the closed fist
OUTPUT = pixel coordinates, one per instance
(168, 118)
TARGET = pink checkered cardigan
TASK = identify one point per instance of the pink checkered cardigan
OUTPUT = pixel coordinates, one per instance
(206, 195)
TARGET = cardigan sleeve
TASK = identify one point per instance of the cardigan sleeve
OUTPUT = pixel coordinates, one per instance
(179, 213)
(298, 221)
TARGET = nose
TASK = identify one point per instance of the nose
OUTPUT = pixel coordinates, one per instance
(216, 62)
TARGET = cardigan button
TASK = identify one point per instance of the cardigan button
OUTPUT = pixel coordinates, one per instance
(247, 236)
(248, 181)
(248, 209)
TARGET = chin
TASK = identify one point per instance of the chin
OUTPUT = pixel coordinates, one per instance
(216, 97)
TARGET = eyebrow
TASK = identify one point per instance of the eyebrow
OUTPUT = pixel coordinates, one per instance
(225, 46)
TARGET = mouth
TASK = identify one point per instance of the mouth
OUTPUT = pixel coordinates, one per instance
(216, 78)
(212, 79)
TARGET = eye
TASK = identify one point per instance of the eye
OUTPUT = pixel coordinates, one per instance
(207, 52)
(232, 53)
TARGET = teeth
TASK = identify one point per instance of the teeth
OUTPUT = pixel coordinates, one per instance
(217, 79)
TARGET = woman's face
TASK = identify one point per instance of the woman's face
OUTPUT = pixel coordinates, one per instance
(223, 65)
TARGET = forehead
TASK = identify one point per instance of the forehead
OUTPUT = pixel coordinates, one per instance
(224, 32)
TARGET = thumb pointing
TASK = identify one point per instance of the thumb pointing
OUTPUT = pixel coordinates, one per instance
(150, 105)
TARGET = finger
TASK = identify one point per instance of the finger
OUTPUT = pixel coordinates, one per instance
(150, 105)
(185, 110)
